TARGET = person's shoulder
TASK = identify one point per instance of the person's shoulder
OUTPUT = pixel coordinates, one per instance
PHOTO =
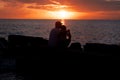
(53, 29)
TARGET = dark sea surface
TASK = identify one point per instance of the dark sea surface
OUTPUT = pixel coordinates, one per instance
(83, 31)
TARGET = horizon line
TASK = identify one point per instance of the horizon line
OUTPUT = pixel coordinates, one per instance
(50, 19)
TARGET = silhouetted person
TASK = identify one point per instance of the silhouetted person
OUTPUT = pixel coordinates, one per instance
(54, 35)
(64, 37)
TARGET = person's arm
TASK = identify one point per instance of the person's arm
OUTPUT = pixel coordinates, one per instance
(68, 35)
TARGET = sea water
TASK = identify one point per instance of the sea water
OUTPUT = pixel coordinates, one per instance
(82, 31)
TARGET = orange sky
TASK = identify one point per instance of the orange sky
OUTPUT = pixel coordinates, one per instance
(48, 9)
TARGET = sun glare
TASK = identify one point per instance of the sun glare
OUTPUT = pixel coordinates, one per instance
(62, 14)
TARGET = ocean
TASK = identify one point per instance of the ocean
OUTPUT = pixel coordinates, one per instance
(83, 31)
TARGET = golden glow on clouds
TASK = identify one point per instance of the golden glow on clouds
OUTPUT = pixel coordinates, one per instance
(60, 9)
(49, 7)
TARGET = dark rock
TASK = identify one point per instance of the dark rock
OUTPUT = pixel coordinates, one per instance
(19, 41)
(75, 49)
(8, 76)
(3, 43)
(18, 44)
(101, 49)
(75, 46)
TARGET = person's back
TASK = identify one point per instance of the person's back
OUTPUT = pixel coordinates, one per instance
(53, 39)
(54, 34)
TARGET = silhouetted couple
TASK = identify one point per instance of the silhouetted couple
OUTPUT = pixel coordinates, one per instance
(59, 36)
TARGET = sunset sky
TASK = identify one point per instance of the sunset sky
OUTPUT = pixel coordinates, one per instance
(55, 9)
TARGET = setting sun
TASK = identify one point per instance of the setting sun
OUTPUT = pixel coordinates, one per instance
(62, 14)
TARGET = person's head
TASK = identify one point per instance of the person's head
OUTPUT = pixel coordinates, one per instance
(63, 27)
(58, 24)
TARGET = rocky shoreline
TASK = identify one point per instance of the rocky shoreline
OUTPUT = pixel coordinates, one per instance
(20, 42)
(23, 55)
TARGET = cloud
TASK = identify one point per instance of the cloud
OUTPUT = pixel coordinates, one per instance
(13, 13)
(112, 0)
(32, 1)
(103, 15)
(94, 5)
(55, 2)
(35, 4)
(108, 8)
(50, 7)
(77, 5)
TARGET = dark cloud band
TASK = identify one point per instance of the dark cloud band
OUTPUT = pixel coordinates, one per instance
(78, 5)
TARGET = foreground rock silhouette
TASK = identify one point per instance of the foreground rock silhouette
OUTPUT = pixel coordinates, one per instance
(29, 45)
(16, 43)
(35, 49)
(27, 54)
